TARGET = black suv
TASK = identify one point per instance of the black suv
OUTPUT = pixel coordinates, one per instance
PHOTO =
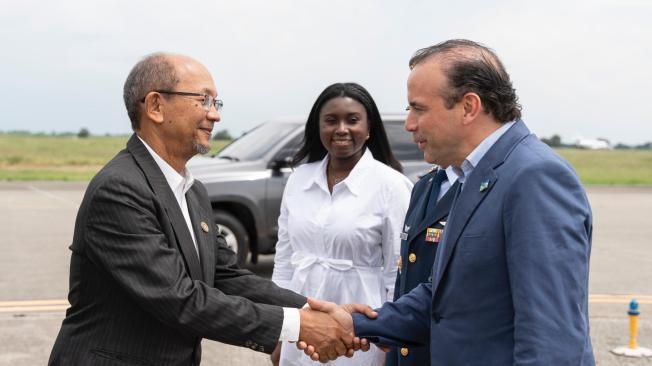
(245, 180)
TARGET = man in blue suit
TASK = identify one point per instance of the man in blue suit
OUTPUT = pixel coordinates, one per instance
(510, 281)
(424, 225)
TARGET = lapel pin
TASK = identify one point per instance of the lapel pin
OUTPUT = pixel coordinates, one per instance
(484, 185)
(204, 226)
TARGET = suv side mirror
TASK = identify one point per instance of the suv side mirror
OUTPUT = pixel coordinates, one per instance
(277, 164)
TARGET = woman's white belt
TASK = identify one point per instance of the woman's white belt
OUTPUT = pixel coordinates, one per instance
(303, 261)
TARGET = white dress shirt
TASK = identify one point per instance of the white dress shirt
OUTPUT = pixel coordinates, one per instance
(341, 247)
(180, 184)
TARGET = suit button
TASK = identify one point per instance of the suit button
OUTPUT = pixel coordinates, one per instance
(404, 352)
(412, 258)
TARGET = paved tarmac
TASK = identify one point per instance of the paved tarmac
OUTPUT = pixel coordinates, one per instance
(37, 220)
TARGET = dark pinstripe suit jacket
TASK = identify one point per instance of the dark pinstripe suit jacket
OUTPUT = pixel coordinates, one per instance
(138, 293)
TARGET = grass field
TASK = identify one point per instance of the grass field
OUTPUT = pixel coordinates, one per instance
(24, 157)
(611, 167)
(69, 158)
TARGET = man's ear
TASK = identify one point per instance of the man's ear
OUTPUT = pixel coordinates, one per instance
(472, 105)
(154, 107)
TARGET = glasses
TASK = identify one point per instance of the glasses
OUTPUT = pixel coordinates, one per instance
(208, 99)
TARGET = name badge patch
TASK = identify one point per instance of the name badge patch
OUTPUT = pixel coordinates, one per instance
(433, 235)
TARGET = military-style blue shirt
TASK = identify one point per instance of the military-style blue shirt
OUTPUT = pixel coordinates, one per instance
(425, 221)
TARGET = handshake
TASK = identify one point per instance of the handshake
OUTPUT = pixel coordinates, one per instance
(326, 331)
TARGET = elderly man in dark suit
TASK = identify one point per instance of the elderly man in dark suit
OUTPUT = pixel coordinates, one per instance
(149, 274)
(510, 281)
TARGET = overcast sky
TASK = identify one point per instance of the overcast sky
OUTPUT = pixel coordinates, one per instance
(581, 68)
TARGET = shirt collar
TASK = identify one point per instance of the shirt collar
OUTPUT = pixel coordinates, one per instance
(180, 184)
(479, 152)
(354, 181)
(451, 177)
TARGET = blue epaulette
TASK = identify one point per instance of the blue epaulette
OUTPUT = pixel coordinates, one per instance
(430, 174)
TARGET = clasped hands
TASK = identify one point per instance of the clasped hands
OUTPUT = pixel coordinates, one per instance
(327, 330)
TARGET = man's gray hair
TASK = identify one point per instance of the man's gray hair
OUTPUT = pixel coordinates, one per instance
(154, 72)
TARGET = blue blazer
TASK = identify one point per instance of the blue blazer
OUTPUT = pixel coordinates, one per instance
(510, 282)
(411, 273)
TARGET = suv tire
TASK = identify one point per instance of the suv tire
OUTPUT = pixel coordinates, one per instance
(234, 232)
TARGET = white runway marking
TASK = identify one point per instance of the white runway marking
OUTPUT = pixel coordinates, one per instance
(54, 196)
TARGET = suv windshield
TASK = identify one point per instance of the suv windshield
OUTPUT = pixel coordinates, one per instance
(253, 145)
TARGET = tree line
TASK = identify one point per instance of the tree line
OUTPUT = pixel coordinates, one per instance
(85, 133)
(552, 141)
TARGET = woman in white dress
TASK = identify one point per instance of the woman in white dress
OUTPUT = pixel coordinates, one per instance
(342, 212)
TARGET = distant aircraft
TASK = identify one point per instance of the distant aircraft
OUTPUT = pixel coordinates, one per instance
(594, 144)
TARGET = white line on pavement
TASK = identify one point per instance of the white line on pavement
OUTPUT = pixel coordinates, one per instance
(54, 196)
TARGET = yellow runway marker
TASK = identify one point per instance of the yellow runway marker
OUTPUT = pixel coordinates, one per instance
(33, 306)
(42, 306)
(619, 299)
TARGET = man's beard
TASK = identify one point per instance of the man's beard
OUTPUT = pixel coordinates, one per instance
(201, 149)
